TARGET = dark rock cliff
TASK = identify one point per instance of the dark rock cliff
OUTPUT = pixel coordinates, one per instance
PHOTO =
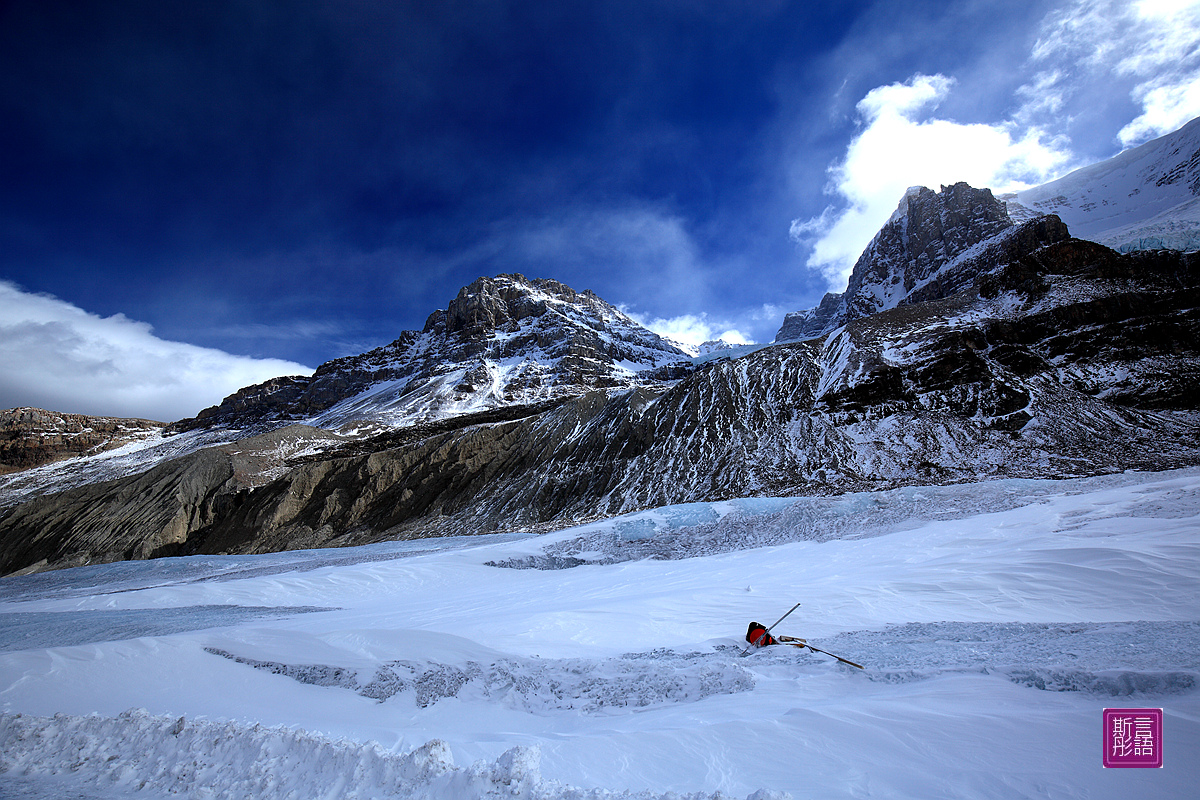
(30, 437)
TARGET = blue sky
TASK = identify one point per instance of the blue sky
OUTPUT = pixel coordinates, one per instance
(197, 196)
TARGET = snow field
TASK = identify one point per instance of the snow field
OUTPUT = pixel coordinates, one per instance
(995, 620)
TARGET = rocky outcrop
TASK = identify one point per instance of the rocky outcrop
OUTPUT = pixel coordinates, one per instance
(1066, 360)
(933, 246)
(30, 437)
(117, 520)
(502, 341)
(149, 514)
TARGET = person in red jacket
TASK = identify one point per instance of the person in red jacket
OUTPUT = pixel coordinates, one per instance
(758, 636)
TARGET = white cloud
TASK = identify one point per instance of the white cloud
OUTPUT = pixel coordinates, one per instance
(1166, 109)
(899, 147)
(1156, 43)
(767, 311)
(691, 330)
(57, 356)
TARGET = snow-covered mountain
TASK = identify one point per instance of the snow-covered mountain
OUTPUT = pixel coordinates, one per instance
(1147, 197)
(503, 341)
(967, 346)
(1057, 360)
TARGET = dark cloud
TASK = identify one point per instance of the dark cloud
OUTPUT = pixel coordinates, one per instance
(300, 179)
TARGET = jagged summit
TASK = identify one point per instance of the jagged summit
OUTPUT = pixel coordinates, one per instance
(933, 245)
(491, 303)
(507, 340)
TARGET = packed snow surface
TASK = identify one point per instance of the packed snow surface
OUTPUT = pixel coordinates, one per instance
(995, 622)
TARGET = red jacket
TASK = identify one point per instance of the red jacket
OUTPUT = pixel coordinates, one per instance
(757, 635)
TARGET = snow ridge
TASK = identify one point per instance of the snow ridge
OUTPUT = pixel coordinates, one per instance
(137, 752)
(539, 686)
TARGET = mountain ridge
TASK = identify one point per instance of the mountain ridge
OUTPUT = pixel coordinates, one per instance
(967, 346)
(30, 437)
(1069, 360)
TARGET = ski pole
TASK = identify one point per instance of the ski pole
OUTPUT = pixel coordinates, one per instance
(839, 658)
(768, 630)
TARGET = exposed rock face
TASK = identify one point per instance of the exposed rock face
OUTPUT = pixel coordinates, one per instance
(501, 341)
(148, 514)
(933, 246)
(30, 437)
(1066, 359)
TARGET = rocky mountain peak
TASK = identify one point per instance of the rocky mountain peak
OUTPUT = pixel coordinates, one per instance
(929, 229)
(490, 304)
(925, 250)
(502, 341)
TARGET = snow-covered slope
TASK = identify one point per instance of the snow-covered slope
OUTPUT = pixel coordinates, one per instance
(995, 623)
(130, 458)
(1145, 198)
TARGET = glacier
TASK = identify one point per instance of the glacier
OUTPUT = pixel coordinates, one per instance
(995, 620)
